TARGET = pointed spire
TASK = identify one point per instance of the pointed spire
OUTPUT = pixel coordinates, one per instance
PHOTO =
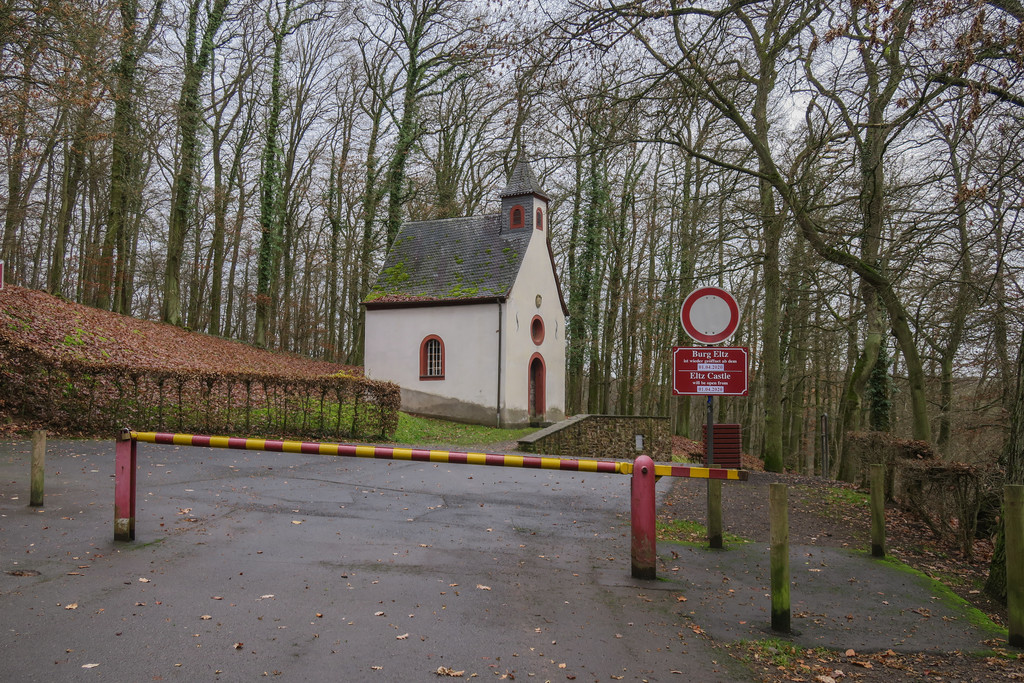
(523, 181)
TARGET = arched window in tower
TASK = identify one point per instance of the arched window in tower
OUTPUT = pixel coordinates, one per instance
(516, 219)
(540, 219)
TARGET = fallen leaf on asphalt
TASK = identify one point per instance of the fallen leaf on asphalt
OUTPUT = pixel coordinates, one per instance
(73, 605)
(445, 671)
(376, 668)
(206, 617)
(483, 587)
(143, 579)
(850, 653)
(268, 596)
(296, 521)
(378, 614)
(238, 646)
(90, 666)
(681, 598)
(402, 637)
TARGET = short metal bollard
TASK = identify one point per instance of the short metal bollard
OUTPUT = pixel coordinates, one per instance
(642, 513)
(125, 458)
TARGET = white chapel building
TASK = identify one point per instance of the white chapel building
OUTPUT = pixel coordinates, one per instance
(467, 315)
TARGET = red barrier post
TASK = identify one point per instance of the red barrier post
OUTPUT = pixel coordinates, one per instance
(642, 515)
(124, 486)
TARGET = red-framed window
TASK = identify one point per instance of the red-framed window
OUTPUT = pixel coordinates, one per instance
(540, 219)
(537, 330)
(516, 218)
(432, 358)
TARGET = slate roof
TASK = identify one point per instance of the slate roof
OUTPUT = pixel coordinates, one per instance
(523, 181)
(452, 260)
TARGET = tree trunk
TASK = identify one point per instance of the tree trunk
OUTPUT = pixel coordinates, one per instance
(190, 119)
(271, 218)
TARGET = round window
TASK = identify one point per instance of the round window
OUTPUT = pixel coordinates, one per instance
(537, 330)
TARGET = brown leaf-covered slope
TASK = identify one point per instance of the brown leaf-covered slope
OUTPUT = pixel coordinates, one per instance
(69, 331)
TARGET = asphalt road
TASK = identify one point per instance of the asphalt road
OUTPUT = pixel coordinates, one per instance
(298, 567)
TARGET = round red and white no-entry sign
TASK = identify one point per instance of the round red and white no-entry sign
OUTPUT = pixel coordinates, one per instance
(710, 315)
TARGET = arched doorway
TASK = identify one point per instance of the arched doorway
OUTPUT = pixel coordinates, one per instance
(537, 402)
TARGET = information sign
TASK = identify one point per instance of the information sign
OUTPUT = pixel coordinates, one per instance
(709, 371)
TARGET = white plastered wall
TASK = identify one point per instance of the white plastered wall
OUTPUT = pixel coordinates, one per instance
(470, 334)
(535, 277)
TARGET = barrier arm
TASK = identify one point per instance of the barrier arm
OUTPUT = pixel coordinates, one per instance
(642, 502)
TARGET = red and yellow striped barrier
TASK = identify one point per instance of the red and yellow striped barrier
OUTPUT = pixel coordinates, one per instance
(435, 456)
(643, 470)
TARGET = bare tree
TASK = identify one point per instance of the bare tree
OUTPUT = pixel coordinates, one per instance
(198, 51)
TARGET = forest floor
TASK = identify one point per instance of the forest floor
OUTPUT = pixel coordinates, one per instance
(837, 515)
(64, 330)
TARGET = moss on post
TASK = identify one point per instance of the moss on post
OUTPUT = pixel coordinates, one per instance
(779, 516)
(878, 510)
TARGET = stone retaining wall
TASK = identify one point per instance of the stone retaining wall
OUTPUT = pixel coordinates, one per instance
(603, 436)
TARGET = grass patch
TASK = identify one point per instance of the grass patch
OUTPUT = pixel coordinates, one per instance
(837, 496)
(844, 496)
(973, 615)
(688, 532)
(781, 655)
(776, 652)
(425, 430)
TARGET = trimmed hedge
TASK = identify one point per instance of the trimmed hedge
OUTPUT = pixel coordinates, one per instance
(89, 398)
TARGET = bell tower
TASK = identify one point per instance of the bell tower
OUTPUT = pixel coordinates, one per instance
(524, 204)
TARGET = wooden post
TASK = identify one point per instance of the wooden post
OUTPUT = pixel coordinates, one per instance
(878, 510)
(826, 466)
(1013, 503)
(38, 469)
(124, 487)
(644, 549)
(715, 513)
(779, 520)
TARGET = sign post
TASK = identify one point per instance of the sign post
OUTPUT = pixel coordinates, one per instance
(710, 315)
